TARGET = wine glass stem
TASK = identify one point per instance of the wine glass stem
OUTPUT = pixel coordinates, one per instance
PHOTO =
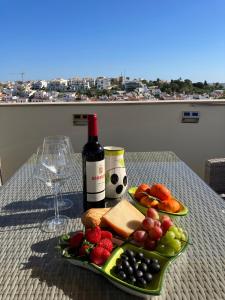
(56, 192)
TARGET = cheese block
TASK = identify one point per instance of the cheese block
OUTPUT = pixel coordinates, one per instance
(123, 218)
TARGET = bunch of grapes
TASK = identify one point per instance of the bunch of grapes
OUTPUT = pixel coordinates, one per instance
(160, 234)
(171, 242)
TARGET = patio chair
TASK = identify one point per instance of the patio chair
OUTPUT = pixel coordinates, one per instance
(215, 175)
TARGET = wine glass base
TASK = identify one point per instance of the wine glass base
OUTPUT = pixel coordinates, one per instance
(54, 224)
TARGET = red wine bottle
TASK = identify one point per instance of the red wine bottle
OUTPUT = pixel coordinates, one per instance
(93, 160)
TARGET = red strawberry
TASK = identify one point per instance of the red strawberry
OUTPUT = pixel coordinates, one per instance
(93, 235)
(106, 234)
(107, 244)
(84, 250)
(76, 239)
(99, 255)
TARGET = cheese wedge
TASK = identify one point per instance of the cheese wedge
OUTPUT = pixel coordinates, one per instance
(123, 218)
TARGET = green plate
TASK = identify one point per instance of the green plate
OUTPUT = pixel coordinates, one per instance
(153, 288)
(107, 270)
(143, 209)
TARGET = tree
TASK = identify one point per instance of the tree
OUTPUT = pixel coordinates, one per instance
(150, 83)
(218, 86)
(205, 83)
(188, 81)
(144, 81)
(199, 85)
(188, 87)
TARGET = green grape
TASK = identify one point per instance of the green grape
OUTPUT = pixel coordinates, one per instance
(175, 244)
(160, 248)
(176, 231)
(183, 237)
(168, 251)
(173, 228)
(180, 230)
(178, 235)
(169, 236)
(163, 240)
(165, 249)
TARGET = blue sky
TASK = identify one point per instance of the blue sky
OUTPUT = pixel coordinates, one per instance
(164, 39)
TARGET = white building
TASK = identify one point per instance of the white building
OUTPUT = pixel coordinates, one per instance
(41, 95)
(143, 89)
(155, 91)
(90, 80)
(69, 97)
(78, 84)
(131, 85)
(8, 91)
(200, 97)
(11, 99)
(33, 100)
(217, 93)
(103, 83)
(103, 98)
(23, 90)
(40, 84)
(54, 94)
(22, 100)
(58, 84)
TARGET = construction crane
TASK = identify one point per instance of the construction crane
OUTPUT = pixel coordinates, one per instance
(21, 74)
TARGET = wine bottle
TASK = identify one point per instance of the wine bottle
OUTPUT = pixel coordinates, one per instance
(93, 160)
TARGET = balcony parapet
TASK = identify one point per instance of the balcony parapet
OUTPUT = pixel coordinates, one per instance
(143, 102)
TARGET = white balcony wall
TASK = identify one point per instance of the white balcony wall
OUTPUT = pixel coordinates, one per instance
(135, 126)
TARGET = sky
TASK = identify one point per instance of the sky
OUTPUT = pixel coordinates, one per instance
(150, 39)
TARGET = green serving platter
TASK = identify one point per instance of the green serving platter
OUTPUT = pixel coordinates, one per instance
(143, 209)
(107, 270)
(153, 288)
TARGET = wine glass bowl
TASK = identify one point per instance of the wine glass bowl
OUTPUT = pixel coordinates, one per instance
(64, 203)
(60, 139)
(53, 166)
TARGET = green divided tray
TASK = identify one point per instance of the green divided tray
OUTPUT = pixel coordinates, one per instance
(107, 270)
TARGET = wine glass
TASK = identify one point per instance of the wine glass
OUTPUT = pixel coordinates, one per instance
(64, 203)
(54, 166)
(40, 173)
(60, 139)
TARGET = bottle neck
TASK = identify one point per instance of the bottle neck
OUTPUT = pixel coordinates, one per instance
(92, 127)
(92, 139)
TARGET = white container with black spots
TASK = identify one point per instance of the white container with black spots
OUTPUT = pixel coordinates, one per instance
(115, 172)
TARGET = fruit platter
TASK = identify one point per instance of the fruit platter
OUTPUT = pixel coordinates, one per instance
(157, 196)
(131, 249)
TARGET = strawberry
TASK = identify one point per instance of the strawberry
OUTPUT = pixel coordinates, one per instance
(84, 250)
(93, 235)
(106, 243)
(76, 239)
(99, 255)
(106, 234)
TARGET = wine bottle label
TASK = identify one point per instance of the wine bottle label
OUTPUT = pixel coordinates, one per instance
(95, 197)
(95, 180)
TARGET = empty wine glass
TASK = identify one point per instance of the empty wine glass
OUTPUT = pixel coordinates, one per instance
(64, 203)
(60, 139)
(40, 173)
(54, 166)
